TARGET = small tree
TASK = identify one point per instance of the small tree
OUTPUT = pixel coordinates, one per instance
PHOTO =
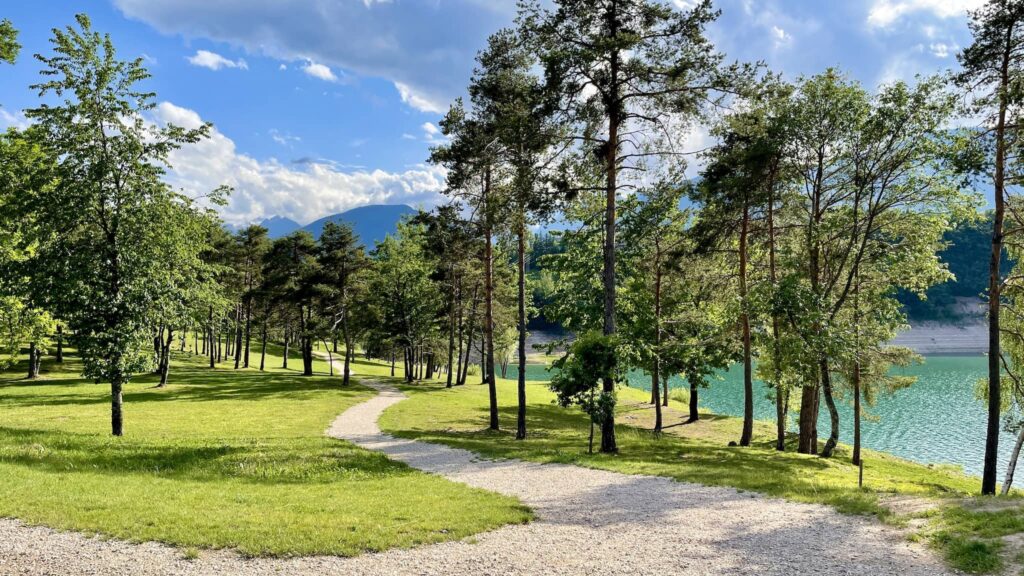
(343, 263)
(103, 229)
(589, 362)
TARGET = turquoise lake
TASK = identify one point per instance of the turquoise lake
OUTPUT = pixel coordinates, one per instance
(937, 420)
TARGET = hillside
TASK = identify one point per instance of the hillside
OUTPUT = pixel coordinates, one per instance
(370, 223)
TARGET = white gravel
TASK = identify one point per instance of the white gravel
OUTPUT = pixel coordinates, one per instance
(590, 522)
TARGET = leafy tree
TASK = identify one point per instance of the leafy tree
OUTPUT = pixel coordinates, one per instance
(625, 72)
(470, 157)
(991, 68)
(403, 300)
(292, 271)
(514, 102)
(27, 169)
(654, 243)
(103, 228)
(590, 360)
(738, 194)
(252, 245)
(343, 261)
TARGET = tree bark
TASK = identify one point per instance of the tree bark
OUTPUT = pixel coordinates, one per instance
(656, 372)
(451, 326)
(263, 347)
(60, 344)
(833, 412)
(488, 363)
(808, 443)
(116, 403)
(608, 444)
(33, 361)
(1012, 466)
(694, 400)
(988, 479)
(748, 380)
(238, 336)
(165, 358)
(521, 383)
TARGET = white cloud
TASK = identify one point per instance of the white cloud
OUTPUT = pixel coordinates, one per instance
(781, 36)
(424, 48)
(317, 70)
(305, 192)
(17, 120)
(283, 139)
(282, 67)
(941, 49)
(432, 134)
(418, 101)
(214, 61)
(884, 13)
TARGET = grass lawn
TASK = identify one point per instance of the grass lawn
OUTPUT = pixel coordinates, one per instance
(961, 528)
(220, 459)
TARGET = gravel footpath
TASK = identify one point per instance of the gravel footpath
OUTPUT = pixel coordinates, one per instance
(589, 522)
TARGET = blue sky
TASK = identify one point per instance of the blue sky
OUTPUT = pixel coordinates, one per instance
(324, 105)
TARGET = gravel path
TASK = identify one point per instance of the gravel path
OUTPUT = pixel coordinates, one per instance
(590, 522)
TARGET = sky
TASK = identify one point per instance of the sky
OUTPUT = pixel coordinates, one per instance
(320, 106)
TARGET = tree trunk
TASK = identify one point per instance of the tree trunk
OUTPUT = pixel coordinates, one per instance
(521, 380)
(694, 400)
(808, 443)
(60, 344)
(451, 328)
(611, 192)
(263, 347)
(469, 337)
(833, 412)
(116, 403)
(748, 379)
(1012, 466)
(248, 331)
(165, 358)
(656, 372)
(238, 336)
(345, 380)
(33, 361)
(988, 479)
(488, 360)
(284, 363)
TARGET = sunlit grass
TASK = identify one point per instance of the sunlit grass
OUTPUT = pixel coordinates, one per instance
(220, 459)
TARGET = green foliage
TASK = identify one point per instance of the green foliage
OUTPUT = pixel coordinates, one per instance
(112, 237)
(9, 46)
(591, 359)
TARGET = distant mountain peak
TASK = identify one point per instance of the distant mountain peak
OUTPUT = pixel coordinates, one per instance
(370, 223)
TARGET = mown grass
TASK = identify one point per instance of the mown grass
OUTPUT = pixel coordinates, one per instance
(220, 459)
(969, 540)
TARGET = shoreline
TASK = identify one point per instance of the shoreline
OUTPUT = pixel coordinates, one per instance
(937, 339)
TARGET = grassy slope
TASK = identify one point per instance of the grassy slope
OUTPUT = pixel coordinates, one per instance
(969, 537)
(220, 459)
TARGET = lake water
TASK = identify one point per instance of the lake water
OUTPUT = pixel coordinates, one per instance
(937, 420)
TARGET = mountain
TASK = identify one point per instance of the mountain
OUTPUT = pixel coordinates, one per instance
(370, 223)
(279, 226)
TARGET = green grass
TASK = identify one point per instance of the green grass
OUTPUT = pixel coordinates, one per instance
(220, 459)
(969, 540)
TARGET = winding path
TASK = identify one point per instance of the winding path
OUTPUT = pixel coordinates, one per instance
(589, 522)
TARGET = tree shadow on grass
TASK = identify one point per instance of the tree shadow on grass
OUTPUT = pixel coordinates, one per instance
(264, 461)
(198, 385)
